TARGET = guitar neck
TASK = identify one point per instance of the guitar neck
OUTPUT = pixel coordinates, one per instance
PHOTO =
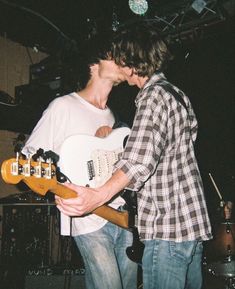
(108, 213)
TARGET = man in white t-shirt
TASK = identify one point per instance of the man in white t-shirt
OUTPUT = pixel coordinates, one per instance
(101, 243)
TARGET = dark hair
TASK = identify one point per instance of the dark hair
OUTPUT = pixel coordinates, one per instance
(140, 46)
(91, 52)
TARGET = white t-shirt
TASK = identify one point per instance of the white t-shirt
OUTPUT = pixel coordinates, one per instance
(66, 116)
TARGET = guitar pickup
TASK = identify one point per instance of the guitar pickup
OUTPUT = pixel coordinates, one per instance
(91, 170)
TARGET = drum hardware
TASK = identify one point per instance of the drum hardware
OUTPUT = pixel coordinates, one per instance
(223, 270)
(219, 260)
(226, 206)
(220, 254)
(217, 190)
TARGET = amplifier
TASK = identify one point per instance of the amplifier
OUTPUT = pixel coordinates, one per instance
(55, 282)
(46, 69)
(38, 94)
(26, 232)
(31, 237)
(55, 278)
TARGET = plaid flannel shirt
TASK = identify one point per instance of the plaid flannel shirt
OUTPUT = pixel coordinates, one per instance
(159, 161)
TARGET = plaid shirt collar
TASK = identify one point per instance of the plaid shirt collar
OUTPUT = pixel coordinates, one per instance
(152, 80)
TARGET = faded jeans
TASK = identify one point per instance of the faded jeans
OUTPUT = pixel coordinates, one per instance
(104, 255)
(171, 265)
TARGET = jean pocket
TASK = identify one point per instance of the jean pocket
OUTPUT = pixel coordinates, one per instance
(182, 250)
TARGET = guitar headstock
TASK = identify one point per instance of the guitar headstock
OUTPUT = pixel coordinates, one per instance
(39, 176)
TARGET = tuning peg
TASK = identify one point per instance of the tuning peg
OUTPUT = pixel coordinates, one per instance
(39, 154)
(62, 178)
(52, 156)
(21, 137)
(18, 147)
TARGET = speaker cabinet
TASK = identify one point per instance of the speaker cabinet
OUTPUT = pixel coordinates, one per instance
(55, 282)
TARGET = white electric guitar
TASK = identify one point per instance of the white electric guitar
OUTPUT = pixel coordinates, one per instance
(88, 160)
(85, 160)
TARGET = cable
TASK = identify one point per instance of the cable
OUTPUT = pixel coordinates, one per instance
(9, 104)
(7, 100)
(36, 14)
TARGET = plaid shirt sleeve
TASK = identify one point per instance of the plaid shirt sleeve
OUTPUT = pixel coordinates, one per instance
(141, 155)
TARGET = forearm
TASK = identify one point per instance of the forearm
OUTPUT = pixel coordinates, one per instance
(114, 185)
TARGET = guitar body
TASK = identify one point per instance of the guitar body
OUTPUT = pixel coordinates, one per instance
(88, 160)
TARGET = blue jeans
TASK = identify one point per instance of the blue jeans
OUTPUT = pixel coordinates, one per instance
(104, 255)
(171, 265)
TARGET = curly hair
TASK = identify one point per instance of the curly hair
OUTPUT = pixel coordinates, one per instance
(140, 46)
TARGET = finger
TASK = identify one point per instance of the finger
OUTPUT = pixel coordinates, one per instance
(73, 202)
(66, 212)
(57, 198)
(69, 211)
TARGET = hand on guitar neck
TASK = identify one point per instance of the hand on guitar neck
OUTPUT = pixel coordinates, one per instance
(40, 177)
(92, 164)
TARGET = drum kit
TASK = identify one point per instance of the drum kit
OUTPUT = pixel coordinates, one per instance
(219, 256)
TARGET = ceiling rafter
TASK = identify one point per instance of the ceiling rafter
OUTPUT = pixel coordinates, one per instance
(176, 19)
(186, 20)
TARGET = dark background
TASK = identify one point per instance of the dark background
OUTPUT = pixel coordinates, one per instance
(203, 66)
(204, 69)
(203, 45)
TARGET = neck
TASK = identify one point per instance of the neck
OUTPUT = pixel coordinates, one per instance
(96, 94)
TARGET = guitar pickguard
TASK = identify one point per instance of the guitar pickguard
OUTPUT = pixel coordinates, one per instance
(89, 160)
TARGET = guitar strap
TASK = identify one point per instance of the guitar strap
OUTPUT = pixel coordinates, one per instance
(177, 95)
(130, 198)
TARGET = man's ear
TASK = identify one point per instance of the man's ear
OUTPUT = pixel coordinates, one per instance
(130, 71)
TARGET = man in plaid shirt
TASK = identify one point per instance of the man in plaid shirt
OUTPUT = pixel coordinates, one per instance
(158, 163)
